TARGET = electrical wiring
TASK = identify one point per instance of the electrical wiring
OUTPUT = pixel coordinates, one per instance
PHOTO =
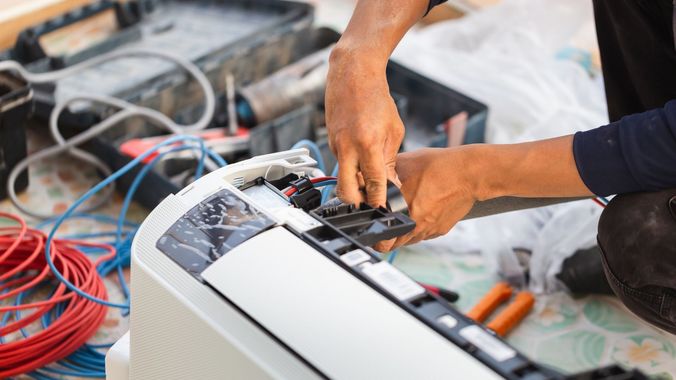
(95, 217)
(125, 110)
(317, 181)
(61, 219)
(22, 251)
(599, 202)
(124, 244)
(392, 256)
(85, 361)
(326, 191)
(314, 149)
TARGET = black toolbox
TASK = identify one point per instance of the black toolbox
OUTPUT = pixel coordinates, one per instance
(249, 39)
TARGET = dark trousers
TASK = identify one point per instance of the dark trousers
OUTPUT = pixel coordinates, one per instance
(637, 238)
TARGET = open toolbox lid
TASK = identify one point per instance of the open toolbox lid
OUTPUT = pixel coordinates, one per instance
(204, 31)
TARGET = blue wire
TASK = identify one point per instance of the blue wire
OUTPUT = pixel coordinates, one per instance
(39, 376)
(5, 318)
(144, 171)
(326, 192)
(120, 172)
(17, 313)
(96, 217)
(132, 190)
(74, 361)
(314, 149)
(328, 182)
(86, 361)
(125, 207)
(392, 256)
(80, 373)
(96, 235)
(99, 345)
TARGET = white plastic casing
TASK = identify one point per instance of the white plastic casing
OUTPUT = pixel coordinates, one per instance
(306, 317)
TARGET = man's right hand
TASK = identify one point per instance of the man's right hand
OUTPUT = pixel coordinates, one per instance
(365, 130)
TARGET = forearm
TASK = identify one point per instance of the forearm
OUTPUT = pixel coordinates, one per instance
(375, 29)
(443, 186)
(543, 168)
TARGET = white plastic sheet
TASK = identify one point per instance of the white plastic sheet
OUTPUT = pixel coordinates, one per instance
(506, 57)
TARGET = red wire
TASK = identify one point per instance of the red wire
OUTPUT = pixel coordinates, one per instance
(22, 254)
(598, 202)
(292, 190)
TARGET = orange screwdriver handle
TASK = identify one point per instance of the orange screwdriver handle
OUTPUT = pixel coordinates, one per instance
(514, 313)
(494, 298)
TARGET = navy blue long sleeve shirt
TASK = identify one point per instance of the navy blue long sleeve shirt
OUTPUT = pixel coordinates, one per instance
(637, 150)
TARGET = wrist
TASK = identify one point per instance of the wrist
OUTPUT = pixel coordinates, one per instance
(487, 173)
(349, 57)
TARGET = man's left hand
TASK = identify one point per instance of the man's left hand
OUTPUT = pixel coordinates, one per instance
(438, 187)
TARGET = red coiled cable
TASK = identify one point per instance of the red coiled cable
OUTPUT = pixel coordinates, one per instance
(22, 268)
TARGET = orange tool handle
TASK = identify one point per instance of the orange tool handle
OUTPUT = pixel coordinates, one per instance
(494, 298)
(514, 313)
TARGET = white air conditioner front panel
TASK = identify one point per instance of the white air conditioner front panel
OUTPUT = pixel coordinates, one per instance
(336, 322)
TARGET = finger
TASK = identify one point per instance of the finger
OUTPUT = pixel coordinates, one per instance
(385, 245)
(375, 179)
(417, 239)
(360, 180)
(348, 186)
(403, 240)
(391, 173)
(391, 151)
(392, 176)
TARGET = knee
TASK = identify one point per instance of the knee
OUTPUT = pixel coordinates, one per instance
(637, 237)
(639, 222)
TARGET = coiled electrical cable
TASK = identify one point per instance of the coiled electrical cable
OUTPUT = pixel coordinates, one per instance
(85, 360)
(125, 110)
(24, 267)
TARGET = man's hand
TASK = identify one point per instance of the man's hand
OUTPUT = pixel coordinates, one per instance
(441, 185)
(365, 131)
(438, 187)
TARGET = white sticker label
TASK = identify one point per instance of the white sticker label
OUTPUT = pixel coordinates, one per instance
(395, 282)
(355, 257)
(297, 219)
(487, 343)
(447, 321)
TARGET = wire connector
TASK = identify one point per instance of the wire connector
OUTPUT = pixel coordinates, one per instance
(306, 196)
(302, 184)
